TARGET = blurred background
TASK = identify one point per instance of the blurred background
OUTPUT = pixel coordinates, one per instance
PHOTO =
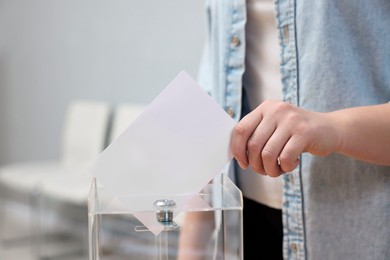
(55, 52)
(52, 52)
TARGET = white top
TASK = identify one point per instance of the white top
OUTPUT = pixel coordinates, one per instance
(262, 80)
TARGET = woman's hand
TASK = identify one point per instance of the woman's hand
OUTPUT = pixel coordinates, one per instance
(272, 137)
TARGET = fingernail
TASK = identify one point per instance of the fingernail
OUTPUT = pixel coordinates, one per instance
(242, 165)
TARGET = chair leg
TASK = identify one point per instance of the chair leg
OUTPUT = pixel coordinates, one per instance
(3, 219)
(43, 235)
(8, 242)
(36, 206)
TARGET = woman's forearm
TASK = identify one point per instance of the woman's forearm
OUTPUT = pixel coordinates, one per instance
(364, 132)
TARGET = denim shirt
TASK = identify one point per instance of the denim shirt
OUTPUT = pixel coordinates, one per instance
(334, 54)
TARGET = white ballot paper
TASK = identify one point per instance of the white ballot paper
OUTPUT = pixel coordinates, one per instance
(171, 151)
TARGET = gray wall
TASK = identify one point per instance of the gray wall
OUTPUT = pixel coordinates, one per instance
(52, 52)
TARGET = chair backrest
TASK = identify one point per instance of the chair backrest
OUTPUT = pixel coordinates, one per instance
(123, 116)
(84, 131)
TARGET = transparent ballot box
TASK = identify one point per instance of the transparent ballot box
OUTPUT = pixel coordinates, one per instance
(207, 225)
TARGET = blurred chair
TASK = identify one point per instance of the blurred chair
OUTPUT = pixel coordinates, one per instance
(72, 189)
(83, 137)
(124, 115)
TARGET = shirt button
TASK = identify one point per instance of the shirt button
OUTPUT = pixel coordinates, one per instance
(235, 41)
(294, 247)
(230, 112)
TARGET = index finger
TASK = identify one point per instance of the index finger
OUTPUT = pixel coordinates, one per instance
(241, 133)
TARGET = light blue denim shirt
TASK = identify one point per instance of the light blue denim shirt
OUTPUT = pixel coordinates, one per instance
(334, 54)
